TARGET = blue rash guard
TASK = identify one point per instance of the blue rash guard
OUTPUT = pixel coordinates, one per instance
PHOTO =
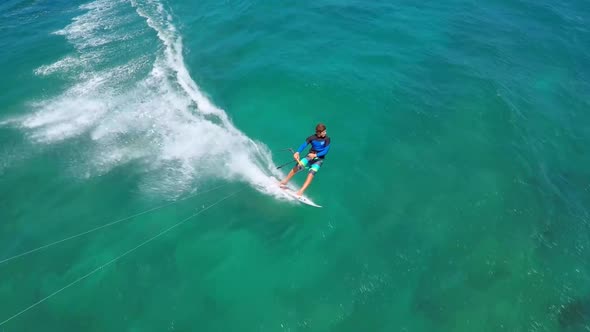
(319, 145)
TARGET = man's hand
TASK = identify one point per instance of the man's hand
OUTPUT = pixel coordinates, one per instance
(312, 155)
(296, 156)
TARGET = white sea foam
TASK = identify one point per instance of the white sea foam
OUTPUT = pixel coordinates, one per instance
(148, 110)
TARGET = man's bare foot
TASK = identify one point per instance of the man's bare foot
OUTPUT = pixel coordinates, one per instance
(299, 194)
(282, 184)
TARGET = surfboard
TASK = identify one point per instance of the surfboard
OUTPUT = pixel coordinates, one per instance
(291, 193)
(301, 199)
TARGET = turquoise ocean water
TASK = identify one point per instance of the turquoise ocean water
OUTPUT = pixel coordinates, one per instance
(455, 194)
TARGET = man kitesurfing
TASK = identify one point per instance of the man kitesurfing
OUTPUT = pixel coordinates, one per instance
(320, 145)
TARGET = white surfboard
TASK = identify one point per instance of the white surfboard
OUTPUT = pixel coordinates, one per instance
(290, 192)
(302, 199)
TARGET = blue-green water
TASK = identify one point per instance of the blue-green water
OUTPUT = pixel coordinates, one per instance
(455, 193)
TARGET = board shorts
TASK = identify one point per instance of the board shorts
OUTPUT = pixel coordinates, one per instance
(313, 164)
